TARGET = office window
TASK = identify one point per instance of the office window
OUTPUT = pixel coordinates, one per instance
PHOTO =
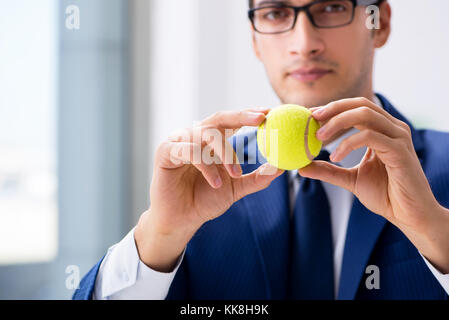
(28, 95)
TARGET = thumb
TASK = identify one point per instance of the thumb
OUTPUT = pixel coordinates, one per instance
(330, 173)
(255, 181)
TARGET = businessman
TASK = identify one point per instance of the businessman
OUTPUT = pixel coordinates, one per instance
(368, 219)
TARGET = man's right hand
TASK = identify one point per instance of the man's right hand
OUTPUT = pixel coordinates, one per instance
(187, 191)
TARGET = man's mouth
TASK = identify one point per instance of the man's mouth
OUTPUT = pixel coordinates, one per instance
(309, 74)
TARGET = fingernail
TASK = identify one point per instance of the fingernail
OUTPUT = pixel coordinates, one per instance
(254, 116)
(218, 182)
(236, 169)
(318, 112)
(333, 155)
(321, 131)
(267, 169)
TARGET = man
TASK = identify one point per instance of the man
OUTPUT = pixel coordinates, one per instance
(368, 226)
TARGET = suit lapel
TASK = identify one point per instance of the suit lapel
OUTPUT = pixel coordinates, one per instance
(365, 227)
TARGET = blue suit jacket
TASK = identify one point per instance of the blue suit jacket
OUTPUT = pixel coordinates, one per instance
(243, 254)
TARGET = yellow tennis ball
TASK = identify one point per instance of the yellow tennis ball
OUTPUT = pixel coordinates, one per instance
(287, 137)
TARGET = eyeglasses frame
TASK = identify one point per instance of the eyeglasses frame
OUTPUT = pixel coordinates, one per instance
(298, 9)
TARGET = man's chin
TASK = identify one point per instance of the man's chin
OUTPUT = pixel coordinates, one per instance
(310, 94)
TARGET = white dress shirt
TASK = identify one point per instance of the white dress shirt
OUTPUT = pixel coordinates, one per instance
(122, 275)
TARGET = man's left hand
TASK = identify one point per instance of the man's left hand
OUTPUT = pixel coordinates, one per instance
(389, 180)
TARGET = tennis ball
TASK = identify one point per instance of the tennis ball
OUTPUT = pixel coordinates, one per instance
(287, 137)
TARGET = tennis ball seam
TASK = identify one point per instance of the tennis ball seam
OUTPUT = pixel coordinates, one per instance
(306, 140)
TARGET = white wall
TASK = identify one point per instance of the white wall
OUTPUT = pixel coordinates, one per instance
(203, 62)
(412, 70)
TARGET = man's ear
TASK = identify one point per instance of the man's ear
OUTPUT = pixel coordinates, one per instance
(381, 35)
(254, 42)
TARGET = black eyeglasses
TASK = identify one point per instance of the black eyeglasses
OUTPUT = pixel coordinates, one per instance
(272, 18)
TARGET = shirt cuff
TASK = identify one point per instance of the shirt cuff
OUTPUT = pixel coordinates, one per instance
(122, 275)
(443, 279)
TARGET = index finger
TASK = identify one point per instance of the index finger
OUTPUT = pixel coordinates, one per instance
(337, 107)
(236, 119)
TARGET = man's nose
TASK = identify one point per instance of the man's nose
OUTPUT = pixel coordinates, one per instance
(305, 38)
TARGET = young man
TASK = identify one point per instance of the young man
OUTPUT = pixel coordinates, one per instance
(369, 226)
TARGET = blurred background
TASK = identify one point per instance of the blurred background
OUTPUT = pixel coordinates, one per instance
(88, 88)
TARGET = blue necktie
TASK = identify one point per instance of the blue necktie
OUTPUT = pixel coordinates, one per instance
(311, 273)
